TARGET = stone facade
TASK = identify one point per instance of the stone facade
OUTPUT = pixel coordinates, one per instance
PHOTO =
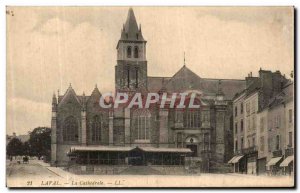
(207, 131)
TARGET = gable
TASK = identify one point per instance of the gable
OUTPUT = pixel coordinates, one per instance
(92, 104)
(69, 97)
(184, 79)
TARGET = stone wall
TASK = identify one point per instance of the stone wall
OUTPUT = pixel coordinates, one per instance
(96, 169)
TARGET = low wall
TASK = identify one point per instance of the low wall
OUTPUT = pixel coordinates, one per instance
(96, 169)
(170, 170)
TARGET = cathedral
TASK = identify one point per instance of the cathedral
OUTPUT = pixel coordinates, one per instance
(85, 134)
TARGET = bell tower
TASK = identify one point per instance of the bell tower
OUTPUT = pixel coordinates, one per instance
(131, 68)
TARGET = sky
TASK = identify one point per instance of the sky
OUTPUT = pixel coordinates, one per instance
(50, 47)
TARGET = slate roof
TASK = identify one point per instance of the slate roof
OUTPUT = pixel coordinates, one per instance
(185, 79)
(130, 29)
(229, 86)
(281, 98)
(156, 83)
(254, 86)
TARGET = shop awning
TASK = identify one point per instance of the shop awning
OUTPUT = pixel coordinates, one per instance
(287, 161)
(273, 161)
(100, 148)
(237, 159)
(230, 161)
(164, 149)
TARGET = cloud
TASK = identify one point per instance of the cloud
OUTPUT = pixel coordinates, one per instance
(56, 26)
(22, 113)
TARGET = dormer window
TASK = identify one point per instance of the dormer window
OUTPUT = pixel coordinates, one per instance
(129, 52)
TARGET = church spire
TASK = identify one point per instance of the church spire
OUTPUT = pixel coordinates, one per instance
(54, 103)
(131, 24)
(130, 30)
(54, 98)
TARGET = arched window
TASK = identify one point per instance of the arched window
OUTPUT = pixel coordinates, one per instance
(96, 128)
(70, 129)
(142, 124)
(192, 119)
(129, 52)
(136, 52)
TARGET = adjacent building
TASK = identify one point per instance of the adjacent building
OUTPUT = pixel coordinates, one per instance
(266, 145)
(281, 132)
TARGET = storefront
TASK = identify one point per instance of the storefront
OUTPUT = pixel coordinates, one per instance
(273, 165)
(238, 163)
(251, 160)
(288, 165)
(251, 165)
(261, 166)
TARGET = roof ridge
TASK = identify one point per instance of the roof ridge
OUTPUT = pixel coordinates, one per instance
(159, 76)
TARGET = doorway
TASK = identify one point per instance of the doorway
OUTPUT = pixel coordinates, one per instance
(194, 149)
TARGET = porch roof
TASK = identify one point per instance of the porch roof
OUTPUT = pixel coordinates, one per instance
(287, 161)
(273, 161)
(237, 159)
(166, 149)
(126, 149)
(230, 161)
(100, 148)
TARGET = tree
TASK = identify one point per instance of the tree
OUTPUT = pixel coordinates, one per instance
(26, 148)
(40, 142)
(14, 147)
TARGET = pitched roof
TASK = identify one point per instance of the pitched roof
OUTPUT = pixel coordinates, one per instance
(280, 98)
(183, 79)
(229, 86)
(96, 92)
(186, 79)
(156, 83)
(130, 29)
